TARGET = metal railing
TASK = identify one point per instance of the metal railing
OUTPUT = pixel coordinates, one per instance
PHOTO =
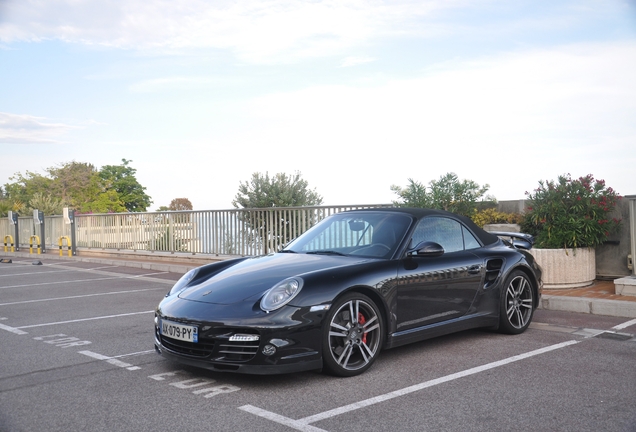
(220, 232)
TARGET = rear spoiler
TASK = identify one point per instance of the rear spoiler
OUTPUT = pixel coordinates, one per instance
(516, 240)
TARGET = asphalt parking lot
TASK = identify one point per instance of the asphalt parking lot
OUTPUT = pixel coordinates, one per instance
(77, 353)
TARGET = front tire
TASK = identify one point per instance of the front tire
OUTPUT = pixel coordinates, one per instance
(517, 304)
(352, 337)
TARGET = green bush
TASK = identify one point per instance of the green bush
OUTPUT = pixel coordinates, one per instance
(492, 216)
(571, 213)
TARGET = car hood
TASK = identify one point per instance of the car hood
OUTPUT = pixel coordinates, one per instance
(249, 279)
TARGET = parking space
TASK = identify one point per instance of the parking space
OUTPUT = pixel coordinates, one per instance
(77, 354)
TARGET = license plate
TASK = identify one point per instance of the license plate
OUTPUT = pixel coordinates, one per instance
(179, 331)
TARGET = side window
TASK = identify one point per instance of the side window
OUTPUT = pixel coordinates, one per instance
(342, 234)
(470, 242)
(446, 232)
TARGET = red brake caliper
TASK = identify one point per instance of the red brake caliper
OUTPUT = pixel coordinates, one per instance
(361, 321)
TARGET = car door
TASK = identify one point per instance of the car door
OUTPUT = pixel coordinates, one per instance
(435, 289)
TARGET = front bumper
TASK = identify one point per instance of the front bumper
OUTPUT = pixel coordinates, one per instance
(289, 339)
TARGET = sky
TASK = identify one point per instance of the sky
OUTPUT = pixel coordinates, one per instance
(355, 95)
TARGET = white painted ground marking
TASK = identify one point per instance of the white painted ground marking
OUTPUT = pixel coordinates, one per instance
(86, 280)
(162, 376)
(99, 268)
(81, 296)
(85, 319)
(35, 274)
(149, 274)
(62, 282)
(387, 396)
(135, 354)
(294, 424)
(110, 360)
(588, 333)
(12, 329)
(625, 325)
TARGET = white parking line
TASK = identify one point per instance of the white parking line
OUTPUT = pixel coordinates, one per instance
(12, 329)
(135, 354)
(149, 274)
(84, 319)
(304, 424)
(110, 360)
(294, 424)
(62, 282)
(88, 280)
(625, 325)
(35, 273)
(81, 296)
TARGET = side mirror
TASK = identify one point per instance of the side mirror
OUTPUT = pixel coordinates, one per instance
(427, 249)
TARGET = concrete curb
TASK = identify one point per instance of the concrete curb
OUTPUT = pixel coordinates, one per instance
(616, 308)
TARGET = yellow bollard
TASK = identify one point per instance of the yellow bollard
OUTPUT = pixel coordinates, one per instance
(5, 243)
(68, 244)
(37, 240)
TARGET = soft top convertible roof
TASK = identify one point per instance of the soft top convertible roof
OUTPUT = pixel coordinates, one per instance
(485, 237)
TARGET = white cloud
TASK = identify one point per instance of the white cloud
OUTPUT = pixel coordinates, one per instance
(179, 83)
(532, 115)
(256, 30)
(27, 129)
(354, 61)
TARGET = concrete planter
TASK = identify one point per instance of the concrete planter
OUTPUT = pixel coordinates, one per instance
(625, 286)
(566, 268)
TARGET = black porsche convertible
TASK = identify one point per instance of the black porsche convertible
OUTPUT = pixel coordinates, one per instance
(356, 283)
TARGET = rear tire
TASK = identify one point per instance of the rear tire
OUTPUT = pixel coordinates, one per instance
(352, 336)
(517, 303)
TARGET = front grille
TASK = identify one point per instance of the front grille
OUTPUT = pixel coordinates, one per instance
(237, 351)
(201, 349)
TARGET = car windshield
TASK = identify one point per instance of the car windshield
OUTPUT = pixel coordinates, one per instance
(372, 234)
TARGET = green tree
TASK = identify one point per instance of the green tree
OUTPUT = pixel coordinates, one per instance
(47, 204)
(78, 185)
(448, 193)
(121, 179)
(75, 183)
(414, 194)
(178, 204)
(281, 190)
(23, 187)
(5, 206)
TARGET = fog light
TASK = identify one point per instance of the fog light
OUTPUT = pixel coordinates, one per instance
(269, 350)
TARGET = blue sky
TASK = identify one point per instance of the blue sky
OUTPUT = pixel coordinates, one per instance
(356, 95)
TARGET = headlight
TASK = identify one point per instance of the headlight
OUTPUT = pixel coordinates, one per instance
(281, 294)
(181, 283)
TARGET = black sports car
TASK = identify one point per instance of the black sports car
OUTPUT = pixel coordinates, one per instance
(354, 284)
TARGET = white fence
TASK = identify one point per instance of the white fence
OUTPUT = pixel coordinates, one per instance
(223, 232)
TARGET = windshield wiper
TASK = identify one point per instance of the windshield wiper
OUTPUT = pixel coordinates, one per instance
(287, 251)
(326, 252)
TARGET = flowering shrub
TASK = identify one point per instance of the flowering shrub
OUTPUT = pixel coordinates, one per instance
(571, 213)
(492, 216)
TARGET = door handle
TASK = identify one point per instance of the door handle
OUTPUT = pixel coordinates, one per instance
(475, 269)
